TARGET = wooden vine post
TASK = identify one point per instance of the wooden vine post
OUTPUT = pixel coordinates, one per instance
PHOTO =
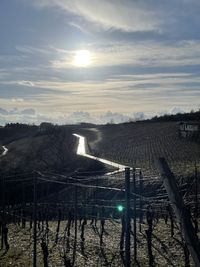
(180, 210)
(141, 201)
(2, 211)
(75, 226)
(35, 222)
(196, 201)
(128, 217)
(134, 216)
(149, 217)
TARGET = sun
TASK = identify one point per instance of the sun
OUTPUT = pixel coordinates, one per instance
(82, 58)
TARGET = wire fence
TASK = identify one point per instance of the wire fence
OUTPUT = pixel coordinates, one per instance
(82, 220)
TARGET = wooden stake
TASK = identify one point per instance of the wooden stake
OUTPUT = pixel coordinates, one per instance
(3, 212)
(196, 201)
(35, 222)
(180, 210)
(141, 203)
(134, 216)
(127, 214)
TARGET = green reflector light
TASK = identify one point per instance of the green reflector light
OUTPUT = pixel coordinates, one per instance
(120, 208)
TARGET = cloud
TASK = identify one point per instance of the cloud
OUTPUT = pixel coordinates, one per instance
(27, 49)
(176, 110)
(123, 15)
(138, 53)
(105, 61)
(128, 15)
(138, 116)
(80, 116)
(124, 94)
(17, 100)
(16, 111)
(15, 115)
(28, 111)
(173, 111)
(3, 111)
(26, 83)
(115, 117)
(154, 82)
(32, 116)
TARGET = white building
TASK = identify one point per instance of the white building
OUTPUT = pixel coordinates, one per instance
(187, 129)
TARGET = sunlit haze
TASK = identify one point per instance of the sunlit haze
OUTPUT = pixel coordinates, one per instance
(82, 58)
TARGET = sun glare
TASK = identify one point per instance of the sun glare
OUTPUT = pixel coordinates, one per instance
(82, 58)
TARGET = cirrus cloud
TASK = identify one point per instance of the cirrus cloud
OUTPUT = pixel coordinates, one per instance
(126, 15)
(129, 15)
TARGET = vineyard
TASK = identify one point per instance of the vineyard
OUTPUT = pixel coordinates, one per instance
(84, 224)
(139, 144)
(86, 217)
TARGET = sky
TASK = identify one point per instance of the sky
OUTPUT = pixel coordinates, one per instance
(144, 59)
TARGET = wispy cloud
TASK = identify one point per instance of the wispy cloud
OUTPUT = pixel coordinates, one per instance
(128, 15)
(19, 100)
(109, 54)
(122, 93)
(124, 15)
(137, 54)
(159, 81)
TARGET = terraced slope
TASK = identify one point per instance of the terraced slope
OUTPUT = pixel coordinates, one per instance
(139, 144)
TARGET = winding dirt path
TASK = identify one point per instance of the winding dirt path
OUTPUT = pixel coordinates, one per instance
(4, 152)
(81, 150)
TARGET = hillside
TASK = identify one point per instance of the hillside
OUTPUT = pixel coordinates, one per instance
(75, 205)
(32, 149)
(136, 144)
(52, 149)
(139, 144)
